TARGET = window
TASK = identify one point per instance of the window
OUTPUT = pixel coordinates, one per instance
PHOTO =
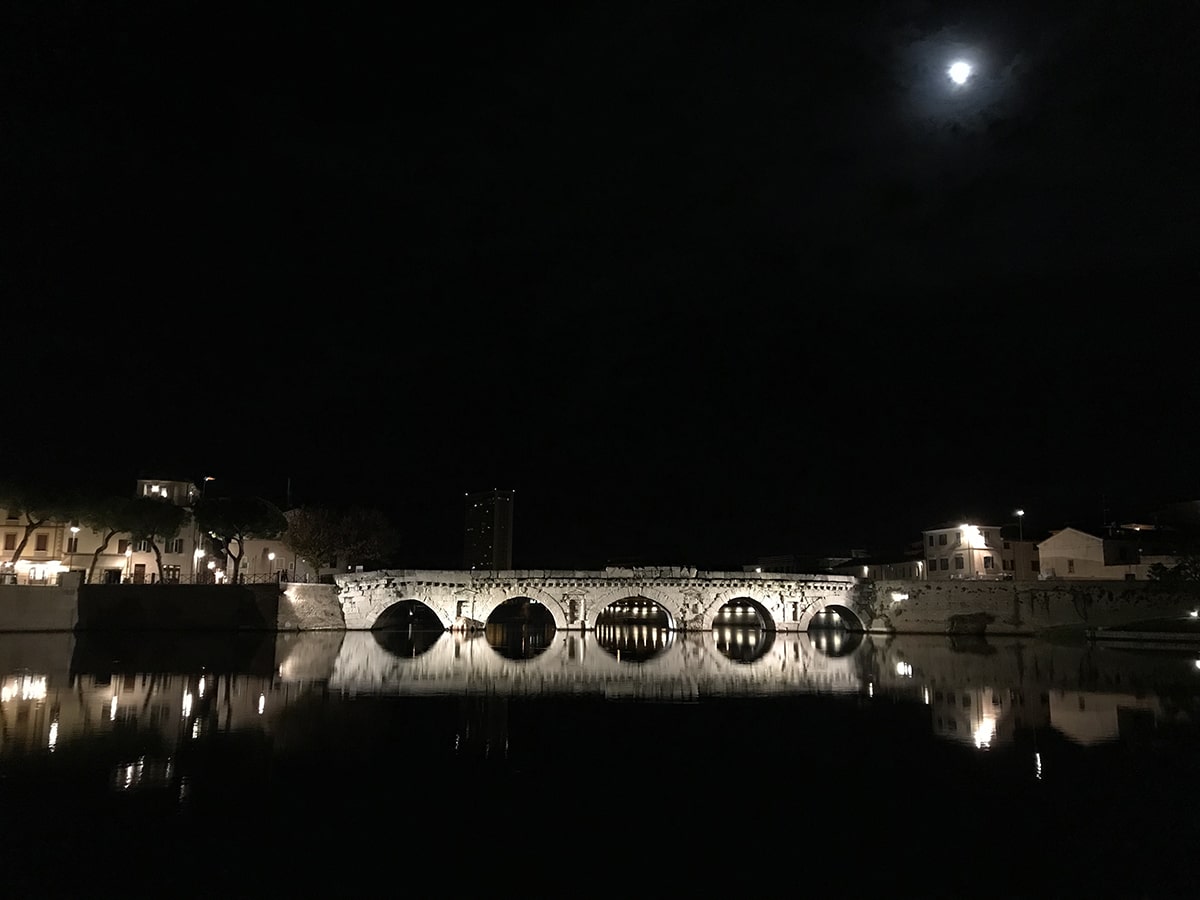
(1007, 545)
(73, 544)
(1033, 565)
(1070, 566)
(122, 546)
(10, 540)
(142, 547)
(171, 574)
(931, 540)
(987, 563)
(942, 540)
(41, 543)
(958, 562)
(945, 564)
(173, 546)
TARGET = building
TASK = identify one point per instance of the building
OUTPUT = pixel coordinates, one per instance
(963, 551)
(56, 546)
(487, 534)
(1074, 553)
(1018, 556)
(906, 565)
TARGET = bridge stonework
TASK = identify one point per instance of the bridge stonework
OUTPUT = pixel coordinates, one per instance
(691, 599)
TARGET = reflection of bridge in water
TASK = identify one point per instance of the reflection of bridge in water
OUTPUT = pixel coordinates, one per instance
(624, 661)
(58, 687)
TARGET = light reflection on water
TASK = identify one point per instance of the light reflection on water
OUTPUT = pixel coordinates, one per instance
(408, 715)
(66, 686)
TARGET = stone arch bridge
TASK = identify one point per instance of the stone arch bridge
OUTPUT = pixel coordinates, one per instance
(692, 600)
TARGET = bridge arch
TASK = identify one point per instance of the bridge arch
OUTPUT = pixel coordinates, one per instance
(408, 613)
(847, 618)
(740, 610)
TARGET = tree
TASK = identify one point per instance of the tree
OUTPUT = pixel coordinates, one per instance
(1186, 568)
(108, 517)
(154, 521)
(39, 505)
(233, 520)
(356, 535)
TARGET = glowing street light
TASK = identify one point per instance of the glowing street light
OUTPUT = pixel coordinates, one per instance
(1021, 524)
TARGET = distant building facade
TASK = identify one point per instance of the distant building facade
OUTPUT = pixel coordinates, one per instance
(963, 551)
(55, 546)
(1072, 553)
(488, 531)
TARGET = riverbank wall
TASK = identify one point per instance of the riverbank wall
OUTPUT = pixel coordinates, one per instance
(1017, 607)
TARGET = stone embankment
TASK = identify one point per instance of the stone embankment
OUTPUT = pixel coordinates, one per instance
(1017, 607)
(890, 606)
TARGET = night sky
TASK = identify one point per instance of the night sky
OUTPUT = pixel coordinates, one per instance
(701, 282)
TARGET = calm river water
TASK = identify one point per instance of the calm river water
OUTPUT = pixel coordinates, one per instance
(625, 763)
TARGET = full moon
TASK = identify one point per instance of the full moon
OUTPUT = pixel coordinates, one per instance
(959, 72)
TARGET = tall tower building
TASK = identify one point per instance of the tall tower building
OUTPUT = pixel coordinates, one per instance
(487, 536)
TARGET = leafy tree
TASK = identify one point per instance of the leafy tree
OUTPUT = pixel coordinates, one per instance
(155, 521)
(356, 535)
(39, 505)
(108, 517)
(1186, 568)
(233, 520)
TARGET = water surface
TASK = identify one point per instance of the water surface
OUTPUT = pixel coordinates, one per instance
(628, 762)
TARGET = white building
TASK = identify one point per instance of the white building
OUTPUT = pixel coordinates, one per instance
(55, 547)
(963, 551)
(1072, 553)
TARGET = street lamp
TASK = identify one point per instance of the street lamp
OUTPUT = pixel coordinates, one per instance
(1021, 524)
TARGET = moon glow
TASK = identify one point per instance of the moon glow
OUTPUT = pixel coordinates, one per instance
(959, 72)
